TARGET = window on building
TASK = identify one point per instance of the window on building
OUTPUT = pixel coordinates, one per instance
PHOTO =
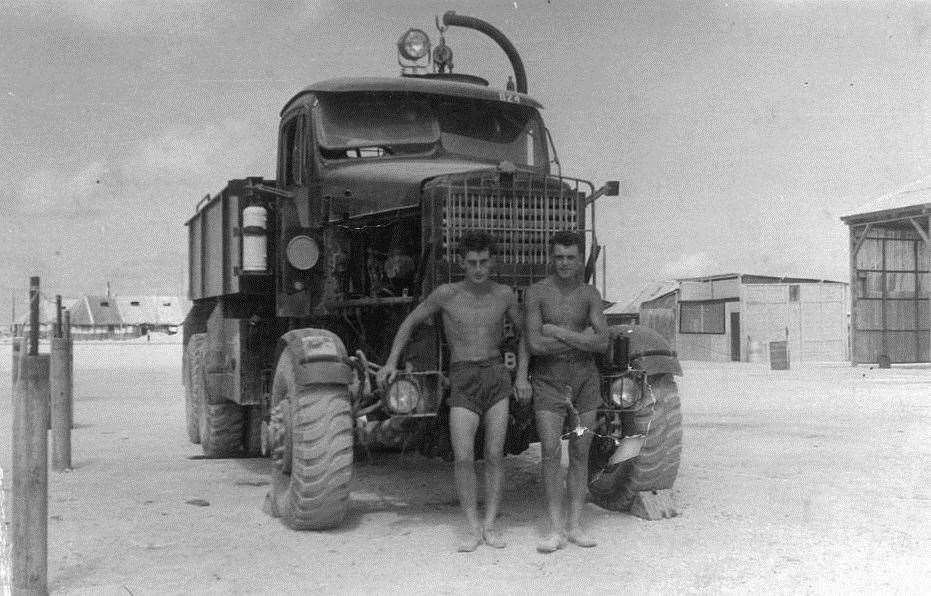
(794, 292)
(701, 317)
(134, 303)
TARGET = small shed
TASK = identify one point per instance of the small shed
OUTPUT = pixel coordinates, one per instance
(733, 316)
(889, 276)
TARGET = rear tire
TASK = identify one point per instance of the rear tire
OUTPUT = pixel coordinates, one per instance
(310, 490)
(657, 465)
(191, 401)
(220, 426)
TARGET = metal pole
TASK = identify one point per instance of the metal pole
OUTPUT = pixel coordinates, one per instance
(30, 476)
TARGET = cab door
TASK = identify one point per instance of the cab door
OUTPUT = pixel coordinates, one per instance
(299, 283)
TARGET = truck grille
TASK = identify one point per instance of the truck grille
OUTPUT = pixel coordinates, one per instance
(521, 210)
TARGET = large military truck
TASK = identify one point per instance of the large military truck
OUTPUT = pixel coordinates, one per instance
(299, 283)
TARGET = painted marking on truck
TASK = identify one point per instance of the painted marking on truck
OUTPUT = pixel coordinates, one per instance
(319, 345)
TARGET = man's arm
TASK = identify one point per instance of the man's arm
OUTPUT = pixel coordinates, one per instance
(426, 309)
(537, 342)
(596, 341)
(522, 389)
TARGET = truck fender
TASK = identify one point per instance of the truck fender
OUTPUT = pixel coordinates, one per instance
(318, 355)
(648, 350)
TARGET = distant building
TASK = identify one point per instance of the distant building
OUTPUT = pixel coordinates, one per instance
(889, 276)
(734, 316)
(113, 317)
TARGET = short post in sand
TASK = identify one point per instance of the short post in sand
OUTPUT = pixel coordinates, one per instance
(30, 463)
(60, 387)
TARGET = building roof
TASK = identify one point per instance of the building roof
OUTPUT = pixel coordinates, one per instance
(752, 278)
(137, 310)
(912, 199)
(96, 310)
(171, 309)
(649, 292)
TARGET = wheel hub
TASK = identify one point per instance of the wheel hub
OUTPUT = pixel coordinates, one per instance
(279, 435)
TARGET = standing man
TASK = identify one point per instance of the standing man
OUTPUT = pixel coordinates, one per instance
(560, 309)
(473, 312)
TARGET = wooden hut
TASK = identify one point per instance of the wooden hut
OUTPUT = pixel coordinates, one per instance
(733, 316)
(889, 265)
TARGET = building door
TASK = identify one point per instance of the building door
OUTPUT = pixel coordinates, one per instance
(735, 336)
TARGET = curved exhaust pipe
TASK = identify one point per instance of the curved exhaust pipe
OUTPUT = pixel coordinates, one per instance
(451, 19)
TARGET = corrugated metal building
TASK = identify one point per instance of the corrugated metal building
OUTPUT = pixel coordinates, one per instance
(734, 316)
(889, 276)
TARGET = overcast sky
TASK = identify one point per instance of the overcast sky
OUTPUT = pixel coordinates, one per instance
(741, 131)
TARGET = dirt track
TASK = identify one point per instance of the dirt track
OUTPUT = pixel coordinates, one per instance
(814, 480)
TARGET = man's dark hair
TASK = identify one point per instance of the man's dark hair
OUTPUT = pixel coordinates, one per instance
(475, 240)
(567, 238)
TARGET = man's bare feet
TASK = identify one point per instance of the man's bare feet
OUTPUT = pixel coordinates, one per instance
(550, 543)
(580, 538)
(469, 542)
(493, 538)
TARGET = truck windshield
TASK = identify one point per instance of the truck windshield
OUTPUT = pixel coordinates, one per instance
(358, 125)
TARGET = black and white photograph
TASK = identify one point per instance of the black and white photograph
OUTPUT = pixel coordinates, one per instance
(490, 297)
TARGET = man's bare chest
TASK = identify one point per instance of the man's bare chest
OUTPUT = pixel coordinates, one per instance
(472, 311)
(565, 308)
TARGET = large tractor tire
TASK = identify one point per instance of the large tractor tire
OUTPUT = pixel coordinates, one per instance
(191, 401)
(310, 442)
(220, 426)
(657, 465)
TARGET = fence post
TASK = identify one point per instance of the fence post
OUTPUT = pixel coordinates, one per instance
(60, 388)
(67, 335)
(4, 545)
(30, 476)
(19, 346)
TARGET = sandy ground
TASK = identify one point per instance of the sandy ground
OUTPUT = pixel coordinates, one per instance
(814, 480)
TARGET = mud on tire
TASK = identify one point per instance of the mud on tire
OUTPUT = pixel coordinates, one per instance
(312, 493)
(658, 463)
(220, 426)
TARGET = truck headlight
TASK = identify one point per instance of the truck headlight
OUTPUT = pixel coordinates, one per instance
(414, 44)
(303, 252)
(403, 396)
(625, 392)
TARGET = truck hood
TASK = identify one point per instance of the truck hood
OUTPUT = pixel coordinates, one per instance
(386, 184)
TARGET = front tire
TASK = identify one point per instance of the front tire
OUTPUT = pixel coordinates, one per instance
(657, 465)
(311, 438)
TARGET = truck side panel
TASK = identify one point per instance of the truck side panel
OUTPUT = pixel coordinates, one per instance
(215, 246)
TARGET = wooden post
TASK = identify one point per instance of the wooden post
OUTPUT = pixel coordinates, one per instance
(30, 476)
(4, 545)
(33, 316)
(19, 346)
(67, 335)
(58, 330)
(60, 388)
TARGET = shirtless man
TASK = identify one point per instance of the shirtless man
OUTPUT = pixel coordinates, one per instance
(560, 309)
(473, 312)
